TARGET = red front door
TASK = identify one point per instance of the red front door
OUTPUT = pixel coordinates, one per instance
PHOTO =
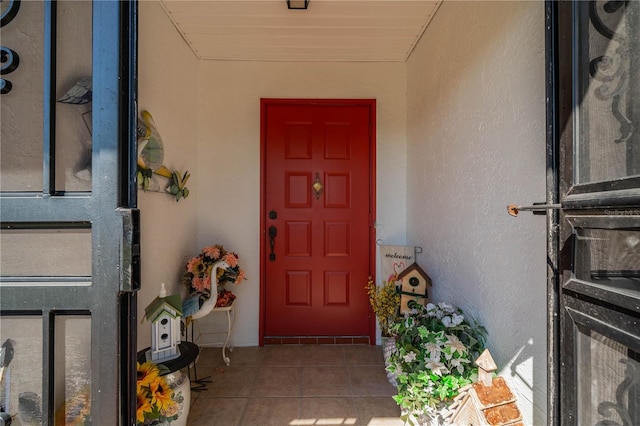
(317, 245)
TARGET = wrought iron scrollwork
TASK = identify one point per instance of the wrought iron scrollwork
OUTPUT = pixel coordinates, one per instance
(608, 408)
(611, 68)
(8, 57)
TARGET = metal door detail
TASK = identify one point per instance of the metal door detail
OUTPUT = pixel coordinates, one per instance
(69, 228)
(595, 266)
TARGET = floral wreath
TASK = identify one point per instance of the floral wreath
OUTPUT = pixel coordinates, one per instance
(197, 277)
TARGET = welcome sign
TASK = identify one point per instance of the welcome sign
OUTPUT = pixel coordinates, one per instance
(395, 259)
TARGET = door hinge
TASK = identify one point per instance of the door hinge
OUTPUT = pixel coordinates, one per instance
(130, 250)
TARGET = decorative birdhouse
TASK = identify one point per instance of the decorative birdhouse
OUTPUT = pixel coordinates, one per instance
(164, 314)
(414, 285)
(487, 402)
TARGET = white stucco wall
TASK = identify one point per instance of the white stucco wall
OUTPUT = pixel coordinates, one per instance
(476, 143)
(168, 89)
(229, 154)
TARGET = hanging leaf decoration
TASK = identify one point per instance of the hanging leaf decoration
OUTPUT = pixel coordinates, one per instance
(150, 161)
(150, 148)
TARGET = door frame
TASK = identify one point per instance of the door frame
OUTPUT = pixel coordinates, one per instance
(264, 104)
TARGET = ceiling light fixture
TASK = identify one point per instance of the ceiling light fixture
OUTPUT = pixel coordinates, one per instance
(298, 4)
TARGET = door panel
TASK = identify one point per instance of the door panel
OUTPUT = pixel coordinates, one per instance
(321, 249)
(598, 114)
(69, 246)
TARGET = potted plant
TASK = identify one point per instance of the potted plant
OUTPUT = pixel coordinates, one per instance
(433, 359)
(160, 401)
(384, 301)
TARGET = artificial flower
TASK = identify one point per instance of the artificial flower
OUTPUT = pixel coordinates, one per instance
(411, 356)
(434, 348)
(197, 277)
(384, 301)
(147, 374)
(156, 401)
(144, 406)
(436, 367)
(458, 364)
(160, 393)
(455, 344)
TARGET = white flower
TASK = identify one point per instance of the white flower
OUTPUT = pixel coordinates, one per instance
(455, 344)
(456, 319)
(437, 367)
(431, 309)
(433, 349)
(446, 307)
(446, 321)
(411, 356)
(457, 363)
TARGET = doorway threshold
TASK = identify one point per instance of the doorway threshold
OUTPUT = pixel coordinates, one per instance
(316, 340)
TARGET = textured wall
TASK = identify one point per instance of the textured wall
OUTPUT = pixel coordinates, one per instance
(476, 143)
(229, 153)
(168, 89)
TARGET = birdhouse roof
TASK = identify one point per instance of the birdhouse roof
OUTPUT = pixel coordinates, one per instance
(170, 304)
(486, 362)
(415, 267)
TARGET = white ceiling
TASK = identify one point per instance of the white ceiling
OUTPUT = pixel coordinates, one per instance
(329, 30)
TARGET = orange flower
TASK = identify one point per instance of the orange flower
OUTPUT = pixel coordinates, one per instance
(144, 406)
(199, 284)
(212, 251)
(147, 373)
(192, 263)
(240, 277)
(231, 259)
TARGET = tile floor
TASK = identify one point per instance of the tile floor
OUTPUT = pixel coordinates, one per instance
(294, 385)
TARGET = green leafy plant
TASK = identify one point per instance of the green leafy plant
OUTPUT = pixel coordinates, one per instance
(385, 301)
(433, 359)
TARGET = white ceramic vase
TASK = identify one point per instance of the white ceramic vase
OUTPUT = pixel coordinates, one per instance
(181, 386)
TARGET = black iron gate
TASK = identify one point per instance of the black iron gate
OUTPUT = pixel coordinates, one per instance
(69, 228)
(594, 149)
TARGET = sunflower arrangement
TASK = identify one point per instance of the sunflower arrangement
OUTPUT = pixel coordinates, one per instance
(197, 277)
(157, 403)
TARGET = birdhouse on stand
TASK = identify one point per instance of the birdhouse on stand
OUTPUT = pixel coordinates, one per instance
(414, 285)
(164, 313)
(488, 402)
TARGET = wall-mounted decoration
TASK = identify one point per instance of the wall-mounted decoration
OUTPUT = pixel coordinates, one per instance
(395, 259)
(151, 159)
